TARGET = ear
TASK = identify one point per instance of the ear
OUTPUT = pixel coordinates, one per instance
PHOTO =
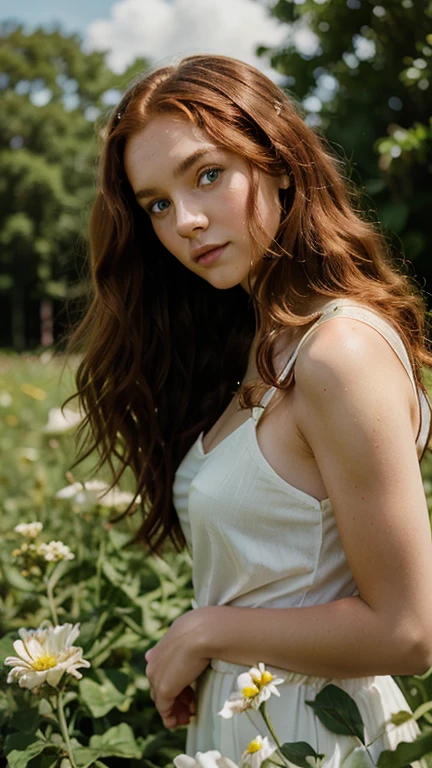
(284, 182)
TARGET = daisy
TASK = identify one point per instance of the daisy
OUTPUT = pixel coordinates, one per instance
(256, 752)
(44, 655)
(253, 688)
(210, 759)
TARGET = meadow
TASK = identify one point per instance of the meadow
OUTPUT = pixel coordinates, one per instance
(122, 599)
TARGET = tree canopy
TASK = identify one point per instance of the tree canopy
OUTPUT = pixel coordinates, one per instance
(362, 71)
(53, 92)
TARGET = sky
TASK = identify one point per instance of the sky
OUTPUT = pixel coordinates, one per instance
(157, 29)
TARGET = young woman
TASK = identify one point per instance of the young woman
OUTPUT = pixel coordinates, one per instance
(260, 358)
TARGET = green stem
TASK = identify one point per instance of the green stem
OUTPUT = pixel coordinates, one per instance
(99, 563)
(263, 709)
(64, 729)
(380, 733)
(50, 593)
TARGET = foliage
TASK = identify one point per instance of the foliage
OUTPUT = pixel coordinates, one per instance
(123, 600)
(364, 79)
(53, 92)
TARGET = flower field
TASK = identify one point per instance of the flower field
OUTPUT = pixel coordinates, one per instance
(76, 569)
(74, 692)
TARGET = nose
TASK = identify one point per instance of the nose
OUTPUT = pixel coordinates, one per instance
(190, 219)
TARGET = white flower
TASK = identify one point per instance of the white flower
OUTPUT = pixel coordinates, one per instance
(236, 704)
(44, 655)
(86, 495)
(59, 421)
(253, 688)
(5, 399)
(256, 752)
(28, 454)
(211, 759)
(55, 551)
(117, 498)
(29, 530)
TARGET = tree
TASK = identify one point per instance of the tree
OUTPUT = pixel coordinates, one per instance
(53, 92)
(366, 82)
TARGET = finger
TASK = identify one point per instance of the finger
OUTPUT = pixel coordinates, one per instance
(165, 707)
(187, 696)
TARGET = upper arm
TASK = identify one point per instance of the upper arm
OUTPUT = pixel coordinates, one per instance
(353, 406)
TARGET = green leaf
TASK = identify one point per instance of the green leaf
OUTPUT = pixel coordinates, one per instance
(101, 698)
(358, 758)
(26, 720)
(17, 580)
(399, 718)
(297, 752)
(20, 749)
(121, 738)
(338, 711)
(118, 741)
(48, 761)
(6, 647)
(406, 752)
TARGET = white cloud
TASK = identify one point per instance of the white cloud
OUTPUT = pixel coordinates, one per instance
(165, 29)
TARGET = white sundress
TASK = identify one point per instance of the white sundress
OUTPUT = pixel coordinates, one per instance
(257, 541)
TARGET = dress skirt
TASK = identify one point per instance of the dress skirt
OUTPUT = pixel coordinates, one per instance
(292, 719)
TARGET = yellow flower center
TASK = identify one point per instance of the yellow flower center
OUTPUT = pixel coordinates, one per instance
(250, 691)
(254, 746)
(44, 662)
(263, 679)
(266, 677)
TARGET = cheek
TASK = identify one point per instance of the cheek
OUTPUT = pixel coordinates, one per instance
(163, 234)
(270, 210)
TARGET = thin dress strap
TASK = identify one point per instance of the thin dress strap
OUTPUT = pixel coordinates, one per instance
(349, 308)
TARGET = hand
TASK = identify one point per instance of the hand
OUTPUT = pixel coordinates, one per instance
(173, 664)
(183, 708)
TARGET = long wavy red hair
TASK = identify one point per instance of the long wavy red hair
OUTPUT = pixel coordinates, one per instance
(160, 349)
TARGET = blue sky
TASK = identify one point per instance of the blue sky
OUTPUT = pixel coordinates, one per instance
(73, 15)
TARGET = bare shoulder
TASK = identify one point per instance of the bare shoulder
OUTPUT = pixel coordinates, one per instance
(345, 352)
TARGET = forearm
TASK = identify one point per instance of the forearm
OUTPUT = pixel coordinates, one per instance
(344, 638)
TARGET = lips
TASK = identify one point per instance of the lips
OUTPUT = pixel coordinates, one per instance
(205, 249)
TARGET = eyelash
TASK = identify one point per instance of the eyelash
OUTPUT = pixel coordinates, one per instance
(203, 173)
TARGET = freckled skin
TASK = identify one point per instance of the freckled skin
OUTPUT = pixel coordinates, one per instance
(199, 211)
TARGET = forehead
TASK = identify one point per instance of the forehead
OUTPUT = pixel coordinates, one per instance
(161, 145)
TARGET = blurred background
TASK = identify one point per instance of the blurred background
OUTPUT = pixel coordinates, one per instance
(360, 70)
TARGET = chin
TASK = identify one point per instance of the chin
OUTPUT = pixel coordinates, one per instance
(224, 282)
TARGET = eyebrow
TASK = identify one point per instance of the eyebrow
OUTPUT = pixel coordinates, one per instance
(180, 169)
